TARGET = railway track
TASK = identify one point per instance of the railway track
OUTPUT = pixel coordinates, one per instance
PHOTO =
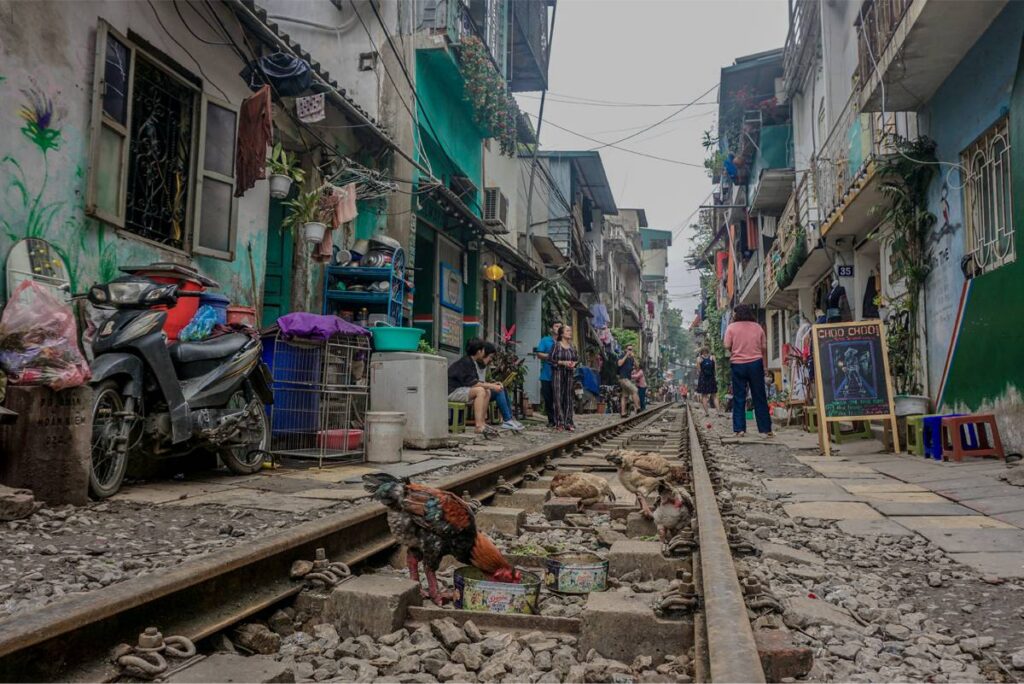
(72, 639)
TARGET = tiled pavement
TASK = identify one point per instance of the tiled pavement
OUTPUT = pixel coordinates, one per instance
(963, 508)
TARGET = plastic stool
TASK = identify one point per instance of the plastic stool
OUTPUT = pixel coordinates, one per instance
(456, 416)
(932, 437)
(861, 430)
(811, 419)
(913, 436)
(966, 436)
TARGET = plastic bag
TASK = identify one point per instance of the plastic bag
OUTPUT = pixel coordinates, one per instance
(39, 340)
(201, 325)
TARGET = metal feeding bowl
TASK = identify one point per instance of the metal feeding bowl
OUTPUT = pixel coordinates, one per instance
(576, 573)
(476, 592)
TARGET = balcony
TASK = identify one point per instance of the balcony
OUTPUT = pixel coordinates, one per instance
(801, 44)
(528, 47)
(482, 19)
(845, 167)
(796, 258)
(907, 48)
(617, 240)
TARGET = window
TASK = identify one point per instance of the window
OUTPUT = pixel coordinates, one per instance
(778, 334)
(988, 211)
(162, 154)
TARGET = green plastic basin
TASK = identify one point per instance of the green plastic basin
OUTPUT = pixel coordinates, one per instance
(396, 339)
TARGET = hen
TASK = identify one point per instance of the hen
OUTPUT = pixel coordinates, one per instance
(640, 473)
(673, 512)
(586, 487)
(433, 523)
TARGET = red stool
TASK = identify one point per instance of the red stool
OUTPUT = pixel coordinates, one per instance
(968, 437)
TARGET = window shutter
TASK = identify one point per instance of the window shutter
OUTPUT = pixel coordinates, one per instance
(216, 208)
(107, 181)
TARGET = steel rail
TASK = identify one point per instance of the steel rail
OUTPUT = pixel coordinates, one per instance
(206, 595)
(732, 652)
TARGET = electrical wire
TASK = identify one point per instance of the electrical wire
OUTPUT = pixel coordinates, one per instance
(622, 149)
(189, 28)
(185, 50)
(660, 121)
(612, 103)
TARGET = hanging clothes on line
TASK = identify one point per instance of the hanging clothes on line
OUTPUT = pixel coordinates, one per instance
(310, 109)
(255, 133)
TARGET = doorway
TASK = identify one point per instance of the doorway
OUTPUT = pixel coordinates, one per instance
(277, 284)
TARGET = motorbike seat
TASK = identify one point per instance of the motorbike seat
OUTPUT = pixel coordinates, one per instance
(207, 350)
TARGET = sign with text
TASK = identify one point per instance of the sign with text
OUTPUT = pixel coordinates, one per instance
(851, 369)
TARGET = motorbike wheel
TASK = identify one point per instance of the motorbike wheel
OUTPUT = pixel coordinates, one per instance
(248, 458)
(109, 440)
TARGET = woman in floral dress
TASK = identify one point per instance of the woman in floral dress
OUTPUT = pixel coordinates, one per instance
(564, 358)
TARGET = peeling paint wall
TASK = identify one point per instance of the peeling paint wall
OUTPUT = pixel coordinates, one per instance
(46, 86)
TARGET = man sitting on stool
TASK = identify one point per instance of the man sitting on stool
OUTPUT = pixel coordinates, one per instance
(466, 385)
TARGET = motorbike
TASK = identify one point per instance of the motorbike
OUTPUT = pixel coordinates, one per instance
(158, 401)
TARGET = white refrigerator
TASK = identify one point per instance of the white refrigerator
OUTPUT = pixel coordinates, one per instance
(417, 385)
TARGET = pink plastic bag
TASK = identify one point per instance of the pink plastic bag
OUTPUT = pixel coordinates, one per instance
(39, 340)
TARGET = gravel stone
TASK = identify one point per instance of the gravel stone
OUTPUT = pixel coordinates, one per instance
(448, 633)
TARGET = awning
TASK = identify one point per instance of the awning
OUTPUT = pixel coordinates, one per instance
(548, 250)
(507, 253)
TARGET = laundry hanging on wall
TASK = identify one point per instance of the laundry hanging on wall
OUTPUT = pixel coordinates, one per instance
(310, 109)
(255, 131)
(288, 75)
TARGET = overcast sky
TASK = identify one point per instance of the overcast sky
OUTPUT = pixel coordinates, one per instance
(650, 52)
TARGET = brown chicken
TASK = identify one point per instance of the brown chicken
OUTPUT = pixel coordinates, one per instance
(641, 472)
(586, 487)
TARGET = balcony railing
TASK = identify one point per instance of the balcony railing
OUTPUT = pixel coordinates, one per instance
(801, 43)
(528, 70)
(800, 217)
(617, 238)
(483, 19)
(855, 142)
(875, 28)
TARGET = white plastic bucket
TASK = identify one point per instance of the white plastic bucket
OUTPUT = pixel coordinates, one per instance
(385, 432)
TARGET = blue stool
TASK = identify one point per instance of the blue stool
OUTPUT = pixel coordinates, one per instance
(931, 428)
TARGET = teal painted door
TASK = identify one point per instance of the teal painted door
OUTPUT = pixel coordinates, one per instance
(277, 287)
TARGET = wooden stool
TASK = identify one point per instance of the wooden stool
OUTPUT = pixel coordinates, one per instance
(456, 416)
(913, 435)
(811, 419)
(967, 436)
(861, 430)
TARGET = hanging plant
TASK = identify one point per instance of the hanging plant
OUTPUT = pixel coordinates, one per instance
(494, 109)
(794, 260)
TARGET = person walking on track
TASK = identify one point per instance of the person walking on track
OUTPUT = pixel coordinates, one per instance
(707, 384)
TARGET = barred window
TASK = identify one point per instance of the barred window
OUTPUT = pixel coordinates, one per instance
(988, 210)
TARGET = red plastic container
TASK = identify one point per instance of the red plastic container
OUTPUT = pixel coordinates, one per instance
(181, 313)
(343, 440)
(242, 315)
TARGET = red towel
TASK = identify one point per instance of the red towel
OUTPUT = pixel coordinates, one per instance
(255, 132)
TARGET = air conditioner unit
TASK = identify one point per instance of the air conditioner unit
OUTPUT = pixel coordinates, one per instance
(496, 208)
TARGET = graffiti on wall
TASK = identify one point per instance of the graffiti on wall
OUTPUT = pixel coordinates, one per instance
(32, 208)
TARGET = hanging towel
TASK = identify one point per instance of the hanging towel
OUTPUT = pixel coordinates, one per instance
(310, 109)
(254, 134)
(323, 251)
(346, 210)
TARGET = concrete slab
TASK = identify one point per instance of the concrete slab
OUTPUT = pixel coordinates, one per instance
(828, 510)
(1011, 518)
(628, 555)
(622, 626)
(842, 471)
(903, 497)
(952, 522)
(370, 604)
(333, 494)
(879, 486)
(963, 541)
(331, 474)
(873, 528)
(1007, 565)
(166, 491)
(919, 509)
(230, 667)
(282, 485)
(253, 498)
(997, 504)
(910, 471)
(983, 492)
(801, 485)
(505, 520)
(411, 470)
(838, 495)
(963, 483)
(530, 500)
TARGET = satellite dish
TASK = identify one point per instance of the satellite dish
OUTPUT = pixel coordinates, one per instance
(36, 259)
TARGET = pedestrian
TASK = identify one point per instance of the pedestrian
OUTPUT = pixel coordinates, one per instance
(626, 364)
(543, 352)
(748, 355)
(640, 380)
(707, 384)
(564, 358)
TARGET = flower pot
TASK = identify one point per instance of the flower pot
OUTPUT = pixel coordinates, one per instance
(911, 405)
(313, 231)
(883, 312)
(280, 186)
(601, 408)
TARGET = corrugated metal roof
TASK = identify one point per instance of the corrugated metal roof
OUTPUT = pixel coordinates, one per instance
(594, 177)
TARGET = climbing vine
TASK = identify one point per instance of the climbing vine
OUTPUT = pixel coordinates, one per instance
(905, 224)
(494, 108)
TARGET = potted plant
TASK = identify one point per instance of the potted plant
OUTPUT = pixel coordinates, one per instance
(882, 305)
(284, 170)
(304, 212)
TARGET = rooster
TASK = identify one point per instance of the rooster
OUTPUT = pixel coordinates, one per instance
(674, 510)
(640, 473)
(588, 488)
(433, 523)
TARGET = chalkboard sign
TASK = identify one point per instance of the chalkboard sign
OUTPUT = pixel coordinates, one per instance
(851, 369)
